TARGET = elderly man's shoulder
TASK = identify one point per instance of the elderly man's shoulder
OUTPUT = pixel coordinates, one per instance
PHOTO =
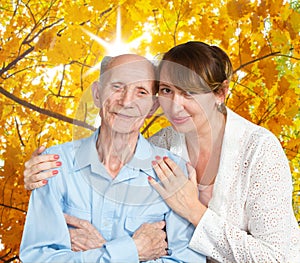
(68, 148)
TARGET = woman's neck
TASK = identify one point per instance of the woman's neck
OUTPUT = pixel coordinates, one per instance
(115, 149)
(204, 149)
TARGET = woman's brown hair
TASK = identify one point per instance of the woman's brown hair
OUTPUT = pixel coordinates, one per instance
(197, 67)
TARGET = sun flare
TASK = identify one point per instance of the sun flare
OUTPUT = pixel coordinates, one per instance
(117, 46)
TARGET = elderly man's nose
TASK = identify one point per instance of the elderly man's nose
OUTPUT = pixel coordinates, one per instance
(126, 97)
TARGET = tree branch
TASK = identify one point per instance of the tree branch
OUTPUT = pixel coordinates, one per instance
(5, 255)
(28, 41)
(263, 57)
(14, 62)
(12, 259)
(45, 111)
(150, 123)
(2, 258)
(13, 207)
(18, 131)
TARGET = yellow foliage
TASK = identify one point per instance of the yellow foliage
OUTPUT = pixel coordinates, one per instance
(46, 58)
(76, 12)
(46, 40)
(294, 25)
(238, 9)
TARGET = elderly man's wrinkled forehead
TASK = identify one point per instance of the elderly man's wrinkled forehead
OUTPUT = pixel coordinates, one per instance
(128, 69)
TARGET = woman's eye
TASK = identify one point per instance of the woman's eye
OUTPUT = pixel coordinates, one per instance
(164, 90)
(189, 94)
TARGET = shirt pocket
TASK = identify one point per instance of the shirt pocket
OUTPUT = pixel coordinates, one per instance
(133, 223)
(79, 213)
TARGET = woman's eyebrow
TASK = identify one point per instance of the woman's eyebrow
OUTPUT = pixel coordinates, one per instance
(164, 84)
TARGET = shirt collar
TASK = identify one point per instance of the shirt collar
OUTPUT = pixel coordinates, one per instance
(86, 153)
(144, 154)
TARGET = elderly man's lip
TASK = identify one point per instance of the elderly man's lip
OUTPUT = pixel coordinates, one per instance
(125, 115)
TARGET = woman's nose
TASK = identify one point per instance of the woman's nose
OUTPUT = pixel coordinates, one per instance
(177, 102)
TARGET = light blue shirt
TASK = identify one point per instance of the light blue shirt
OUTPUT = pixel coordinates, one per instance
(116, 207)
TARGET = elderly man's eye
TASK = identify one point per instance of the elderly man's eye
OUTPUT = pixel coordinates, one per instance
(117, 86)
(142, 91)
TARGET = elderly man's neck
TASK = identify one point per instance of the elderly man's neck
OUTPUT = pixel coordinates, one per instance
(115, 149)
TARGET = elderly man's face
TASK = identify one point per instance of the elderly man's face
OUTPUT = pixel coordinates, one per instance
(126, 95)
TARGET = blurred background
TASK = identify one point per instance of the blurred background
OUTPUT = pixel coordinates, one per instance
(50, 53)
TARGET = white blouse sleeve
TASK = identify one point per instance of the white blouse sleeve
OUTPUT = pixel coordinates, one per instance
(267, 212)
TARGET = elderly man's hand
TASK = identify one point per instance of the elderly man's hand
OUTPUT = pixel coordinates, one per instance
(150, 240)
(84, 235)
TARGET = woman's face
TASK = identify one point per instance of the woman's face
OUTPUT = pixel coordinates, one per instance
(186, 111)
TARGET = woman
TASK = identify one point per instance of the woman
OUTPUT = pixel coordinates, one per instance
(241, 175)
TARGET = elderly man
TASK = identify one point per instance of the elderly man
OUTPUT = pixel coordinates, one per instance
(104, 180)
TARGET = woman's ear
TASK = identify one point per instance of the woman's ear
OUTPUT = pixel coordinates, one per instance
(155, 106)
(96, 93)
(222, 94)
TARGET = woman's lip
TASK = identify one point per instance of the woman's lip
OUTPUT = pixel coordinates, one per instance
(180, 120)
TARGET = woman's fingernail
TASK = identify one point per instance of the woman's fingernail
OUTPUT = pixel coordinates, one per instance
(165, 158)
(154, 163)
(56, 156)
(54, 172)
(58, 163)
(149, 178)
(157, 158)
(45, 181)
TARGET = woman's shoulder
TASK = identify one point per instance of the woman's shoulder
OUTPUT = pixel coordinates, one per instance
(248, 130)
(164, 137)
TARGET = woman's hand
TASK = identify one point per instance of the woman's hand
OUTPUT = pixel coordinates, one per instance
(150, 240)
(84, 235)
(179, 192)
(34, 177)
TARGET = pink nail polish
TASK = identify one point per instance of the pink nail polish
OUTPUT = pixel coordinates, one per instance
(149, 178)
(56, 156)
(45, 181)
(154, 163)
(157, 158)
(54, 172)
(58, 163)
(165, 158)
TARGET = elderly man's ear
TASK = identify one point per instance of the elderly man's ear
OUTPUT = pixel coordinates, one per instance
(155, 106)
(96, 93)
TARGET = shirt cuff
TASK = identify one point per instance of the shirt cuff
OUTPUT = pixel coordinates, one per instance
(203, 239)
(122, 250)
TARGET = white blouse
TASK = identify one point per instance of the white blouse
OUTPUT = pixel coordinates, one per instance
(250, 216)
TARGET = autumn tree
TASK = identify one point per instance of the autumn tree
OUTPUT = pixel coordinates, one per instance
(50, 49)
